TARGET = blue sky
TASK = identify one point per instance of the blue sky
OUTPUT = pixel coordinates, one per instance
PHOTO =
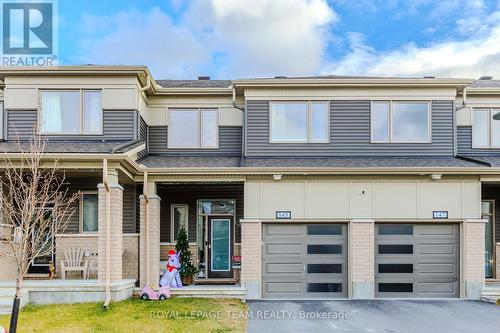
(254, 38)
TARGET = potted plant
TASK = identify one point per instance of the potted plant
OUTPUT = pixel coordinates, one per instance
(187, 267)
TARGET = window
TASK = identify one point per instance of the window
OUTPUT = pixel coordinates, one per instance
(395, 268)
(179, 218)
(299, 122)
(88, 212)
(324, 249)
(327, 229)
(324, 268)
(395, 249)
(395, 229)
(486, 128)
(71, 112)
(395, 287)
(193, 128)
(324, 287)
(394, 121)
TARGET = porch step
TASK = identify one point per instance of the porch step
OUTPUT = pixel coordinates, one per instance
(491, 291)
(214, 281)
(6, 299)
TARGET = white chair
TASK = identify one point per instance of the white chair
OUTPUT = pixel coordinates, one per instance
(73, 261)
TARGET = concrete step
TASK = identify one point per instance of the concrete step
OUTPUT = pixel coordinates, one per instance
(4, 309)
(207, 291)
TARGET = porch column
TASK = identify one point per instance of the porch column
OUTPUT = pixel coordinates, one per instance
(362, 258)
(149, 240)
(473, 253)
(251, 257)
(115, 219)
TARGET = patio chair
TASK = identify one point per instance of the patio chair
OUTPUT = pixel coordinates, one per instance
(73, 262)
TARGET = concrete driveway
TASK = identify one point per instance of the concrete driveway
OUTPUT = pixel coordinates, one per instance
(387, 316)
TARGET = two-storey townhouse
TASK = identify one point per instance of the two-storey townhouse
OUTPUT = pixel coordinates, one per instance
(351, 187)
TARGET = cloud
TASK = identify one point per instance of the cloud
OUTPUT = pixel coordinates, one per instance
(475, 54)
(217, 37)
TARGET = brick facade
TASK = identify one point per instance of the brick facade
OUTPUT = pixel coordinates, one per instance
(362, 238)
(473, 250)
(251, 257)
(116, 223)
(149, 240)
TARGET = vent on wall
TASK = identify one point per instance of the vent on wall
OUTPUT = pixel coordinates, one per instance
(204, 78)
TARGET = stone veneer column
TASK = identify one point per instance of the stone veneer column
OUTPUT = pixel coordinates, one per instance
(251, 257)
(473, 261)
(149, 249)
(362, 258)
(116, 225)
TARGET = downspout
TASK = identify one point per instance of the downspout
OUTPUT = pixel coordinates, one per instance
(108, 231)
(146, 225)
(244, 128)
(148, 84)
(464, 99)
(455, 129)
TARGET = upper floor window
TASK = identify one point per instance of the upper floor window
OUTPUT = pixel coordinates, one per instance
(486, 128)
(299, 122)
(71, 112)
(193, 128)
(400, 122)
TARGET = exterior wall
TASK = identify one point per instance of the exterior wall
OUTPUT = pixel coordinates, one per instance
(8, 271)
(473, 252)
(376, 198)
(130, 259)
(251, 258)
(362, 258)
(492, 192)
(349, 133)
(189, 194)
(497, 260)
(229, 142)
(117, 125)
(150, 241)
(114, 241)
(130, 221)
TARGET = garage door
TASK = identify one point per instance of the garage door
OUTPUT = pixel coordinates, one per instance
(304, 260)
(417, 260)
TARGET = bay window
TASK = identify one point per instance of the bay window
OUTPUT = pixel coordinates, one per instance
(71, 112)
(486, 128)
(299, 121)
(193, 128)
(400, 122)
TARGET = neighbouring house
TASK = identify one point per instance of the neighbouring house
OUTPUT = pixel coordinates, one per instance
(327, 186)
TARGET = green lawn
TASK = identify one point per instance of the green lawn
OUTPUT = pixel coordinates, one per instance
(173, 315)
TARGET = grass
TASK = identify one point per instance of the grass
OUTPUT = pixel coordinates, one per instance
(183, 315)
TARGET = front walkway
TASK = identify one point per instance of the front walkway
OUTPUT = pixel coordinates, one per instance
(374, 316)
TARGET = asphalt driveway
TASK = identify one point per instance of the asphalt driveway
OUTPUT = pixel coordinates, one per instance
(374, 316)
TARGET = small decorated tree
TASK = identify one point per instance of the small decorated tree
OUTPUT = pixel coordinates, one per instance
(187, 267)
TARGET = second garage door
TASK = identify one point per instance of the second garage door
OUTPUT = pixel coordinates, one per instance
(417, 260)
(304, 261)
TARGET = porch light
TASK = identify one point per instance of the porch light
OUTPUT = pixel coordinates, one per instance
(435, 177)
(277, 177)
(496, 116)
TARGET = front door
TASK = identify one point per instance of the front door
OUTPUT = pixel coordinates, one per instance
(41, 263)
(220, 246)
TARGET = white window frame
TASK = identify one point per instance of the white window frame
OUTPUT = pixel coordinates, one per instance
(80, 212)
(172, 227)
(309, 121)
(390, 123)
(82, 117)
(199, 129)
(489, 127)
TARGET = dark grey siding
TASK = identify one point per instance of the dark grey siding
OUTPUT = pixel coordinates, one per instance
(464, 143)
(349, 133)
(90, 184)
(117, 125)
(229, 142)
(143, 135)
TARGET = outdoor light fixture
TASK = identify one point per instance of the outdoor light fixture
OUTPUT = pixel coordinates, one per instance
(277, 177)
(435, 177)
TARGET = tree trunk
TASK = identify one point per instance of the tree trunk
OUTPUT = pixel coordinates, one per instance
(15, 306)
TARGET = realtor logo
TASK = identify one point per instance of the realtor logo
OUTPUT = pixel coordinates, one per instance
(29, 32)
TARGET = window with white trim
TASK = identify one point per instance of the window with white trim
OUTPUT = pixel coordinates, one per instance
(400, 122)
(88, 212)
(179, 215)
(299, 122)
(71, 112)
(193, 128)
(486, 128)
